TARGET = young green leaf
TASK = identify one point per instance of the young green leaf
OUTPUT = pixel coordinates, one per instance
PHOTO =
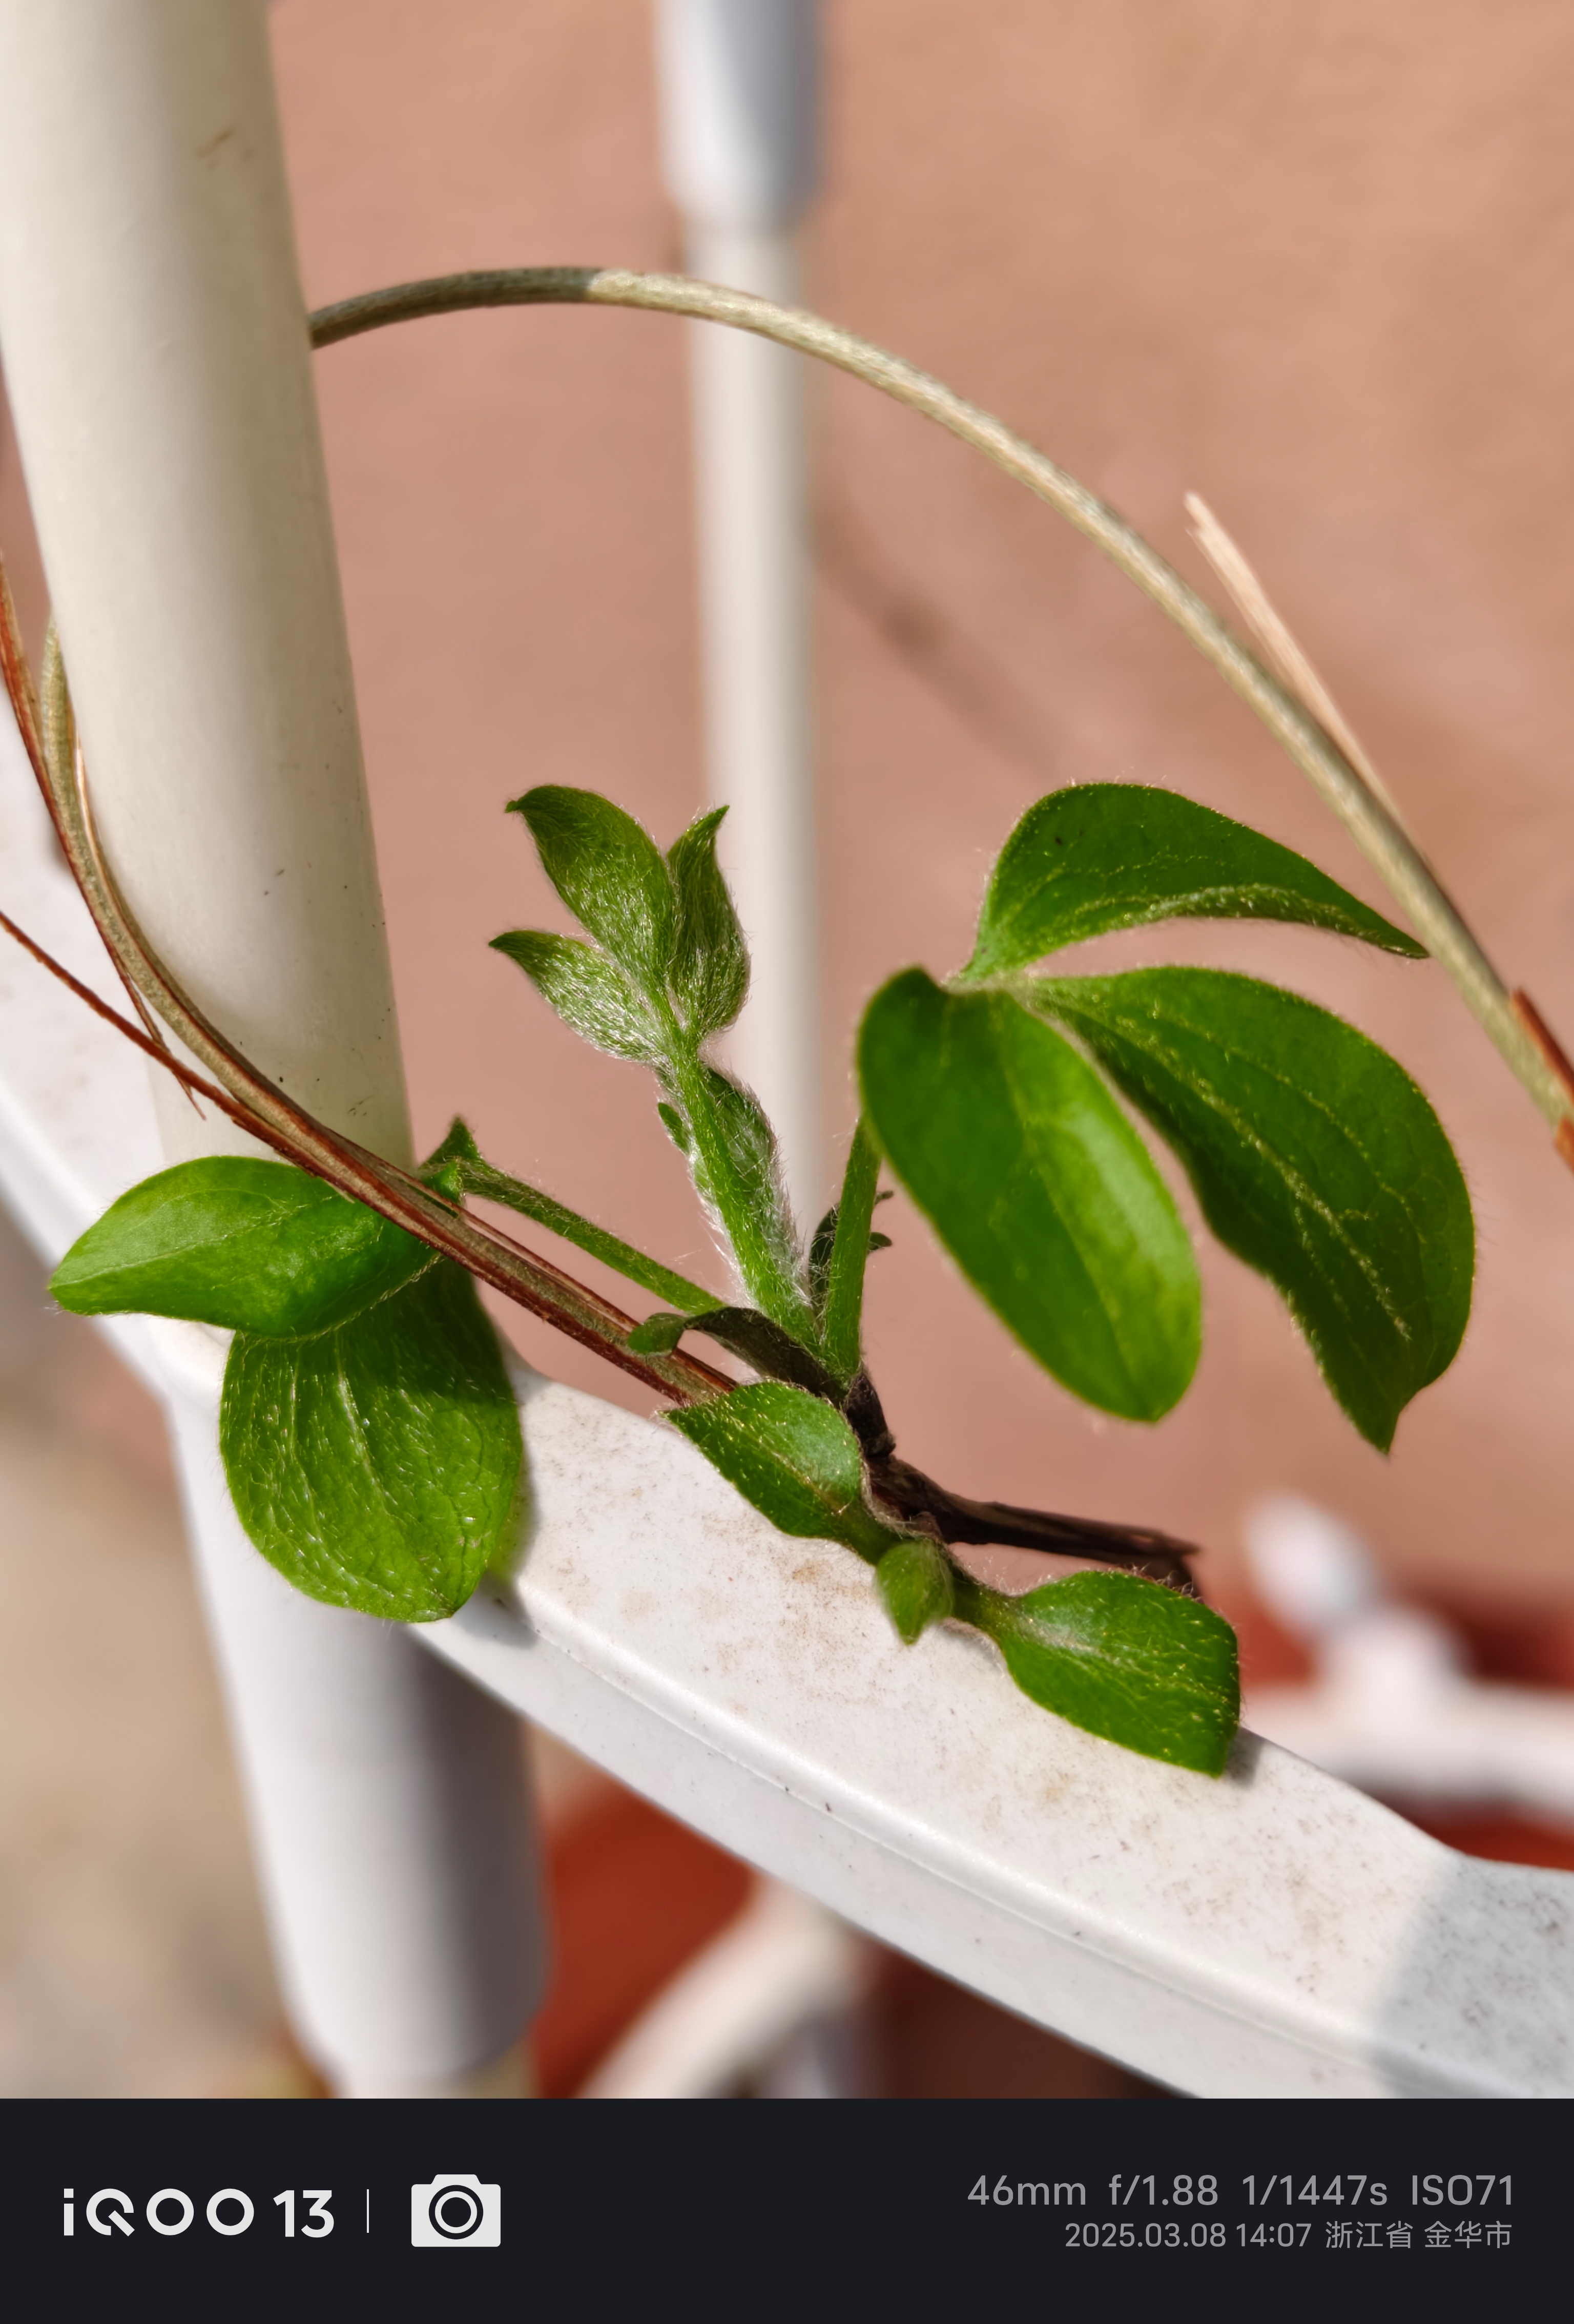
(842, 1308)
(590, 992)
(1119, 855)
(667, 925)
(660, 1334)
(233, 1239)
(468, 1172)
(746, 1332)
(1039, 1188)
(733, 1159)
(1124, 1658)
(794, 1458)
(378, 1466)
(611, 874)
(710, 961)
(1315, 1158)
(824, 1243)
(914, 1581)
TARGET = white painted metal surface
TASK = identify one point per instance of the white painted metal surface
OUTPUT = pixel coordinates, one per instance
(157, 366)
(783, 1974)
(1391, 1704)
(740, 150)
(1272, 1934)
(739, 108)
(156, 355)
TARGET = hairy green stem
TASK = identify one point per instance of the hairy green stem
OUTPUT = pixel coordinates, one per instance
(478, 1177)
(1398, 863)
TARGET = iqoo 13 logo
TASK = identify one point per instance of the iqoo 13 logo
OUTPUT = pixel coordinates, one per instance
(230, 2211)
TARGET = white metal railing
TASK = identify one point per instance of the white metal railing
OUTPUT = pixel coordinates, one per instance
(157, 362)
(1273, 1933)
(1390, 1703)
(740, 146)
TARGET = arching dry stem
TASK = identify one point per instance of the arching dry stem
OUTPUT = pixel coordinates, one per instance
(1362, 807)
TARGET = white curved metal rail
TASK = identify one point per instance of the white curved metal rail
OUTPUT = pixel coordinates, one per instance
(1274, 1933)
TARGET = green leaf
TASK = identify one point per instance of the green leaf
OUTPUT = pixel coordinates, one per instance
(710, 961)
(1119, 855)
(378, 1466)
(746, 1332)
(732, 1156)
(1129, 1660)
(1315, 1158)
(589, 993)
(842, 1307)
(252, 1245)
(824, 1243)
(468, 1172)
(1039, 1188)
(793, 1458)
(662, 924)
(611, 874)
(914, 1581)
(659, 1334)
(456, 1151)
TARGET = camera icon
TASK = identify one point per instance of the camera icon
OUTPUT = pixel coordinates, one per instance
(457, 2209)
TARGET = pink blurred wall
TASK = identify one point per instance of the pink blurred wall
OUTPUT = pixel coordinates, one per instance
(1311, 260)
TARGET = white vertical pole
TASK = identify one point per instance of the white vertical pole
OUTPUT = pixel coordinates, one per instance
(156, 355)
(738, 118)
